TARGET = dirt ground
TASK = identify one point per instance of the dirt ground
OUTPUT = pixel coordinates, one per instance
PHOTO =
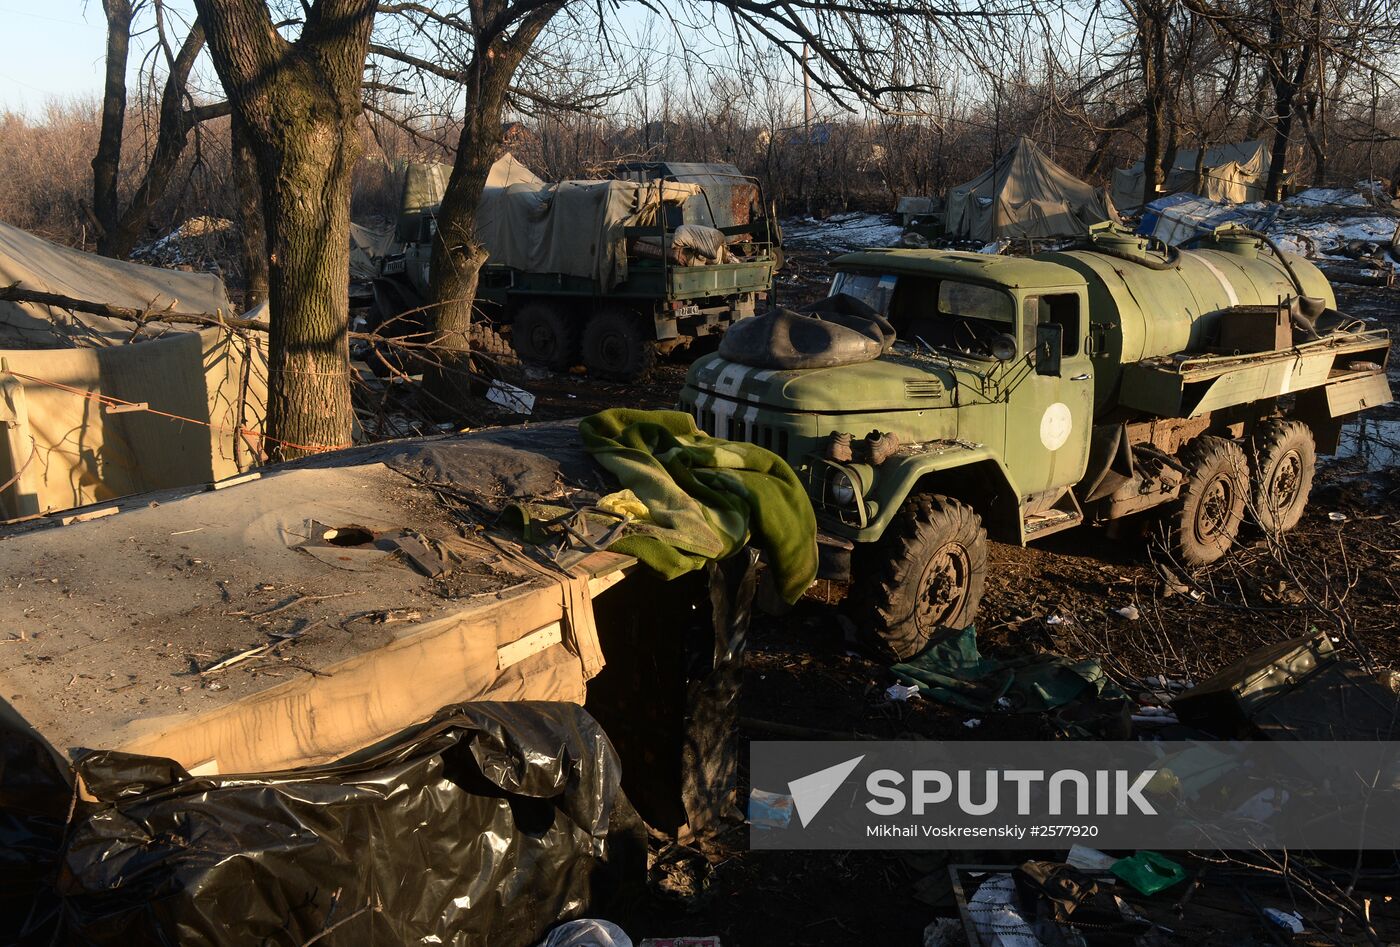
(1059, 596)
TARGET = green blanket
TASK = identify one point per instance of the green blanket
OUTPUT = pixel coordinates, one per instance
(953, 671)
(704, 498)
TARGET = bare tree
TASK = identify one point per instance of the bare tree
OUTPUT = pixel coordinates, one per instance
(299, 102)
(118, 228)
(481, 46)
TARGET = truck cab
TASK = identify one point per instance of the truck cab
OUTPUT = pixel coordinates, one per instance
(991, 372)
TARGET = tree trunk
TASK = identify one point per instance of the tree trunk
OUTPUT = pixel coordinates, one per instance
(176, 122)
(1149, 29)
(252, 235)
(308, 250)
(457, 257)
(1287, 82)
(299, 104)
(106, 163)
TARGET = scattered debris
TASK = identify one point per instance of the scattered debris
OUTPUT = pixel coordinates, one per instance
(510, 397)
(1148, 872)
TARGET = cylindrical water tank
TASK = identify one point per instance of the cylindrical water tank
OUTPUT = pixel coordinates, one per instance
(1144, 303)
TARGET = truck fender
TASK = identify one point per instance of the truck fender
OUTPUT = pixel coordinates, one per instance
(972, 475)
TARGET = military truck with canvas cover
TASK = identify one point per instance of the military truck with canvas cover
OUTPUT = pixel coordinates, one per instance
(1023, 396)
(606, 273)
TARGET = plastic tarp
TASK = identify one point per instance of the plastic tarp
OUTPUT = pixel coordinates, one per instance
(1177, 218)
(1235, 173)
(37, 264)
(1025, 195)
(487, 825)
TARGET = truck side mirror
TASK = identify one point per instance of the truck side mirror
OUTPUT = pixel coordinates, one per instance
(1049, 341)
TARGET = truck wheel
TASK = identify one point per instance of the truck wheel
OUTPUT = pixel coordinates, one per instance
(544, 334)
(1208, 512)
(1285, 457)
(616, 346)
(927, 572)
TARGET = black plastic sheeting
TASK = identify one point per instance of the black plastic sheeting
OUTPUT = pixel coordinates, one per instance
(485, 826)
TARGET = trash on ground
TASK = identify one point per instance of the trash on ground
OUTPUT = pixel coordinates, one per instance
(952, 670)
(1148, 872)
(1130, 612)
(944, 932)
(769, 810)
(1299, 689)
(1289, 921)
(1089, 859)
(510, 397)
(587, 932)
(902, 692)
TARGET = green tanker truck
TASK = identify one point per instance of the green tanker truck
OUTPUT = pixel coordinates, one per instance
(1024, 396)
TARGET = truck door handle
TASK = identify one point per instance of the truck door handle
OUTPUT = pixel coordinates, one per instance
(1082, 376)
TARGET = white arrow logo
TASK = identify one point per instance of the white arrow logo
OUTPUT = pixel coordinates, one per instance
(811, 792)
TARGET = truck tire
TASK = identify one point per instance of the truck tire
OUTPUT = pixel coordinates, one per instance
(617, 347)
(926, 573)
(1207, 514)
(545, 334)
(1284, 459)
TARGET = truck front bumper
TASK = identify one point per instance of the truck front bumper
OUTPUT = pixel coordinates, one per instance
(834, 557)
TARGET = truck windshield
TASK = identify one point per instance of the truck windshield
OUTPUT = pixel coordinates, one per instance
(944, 313)
(874, 289)
(972, 301)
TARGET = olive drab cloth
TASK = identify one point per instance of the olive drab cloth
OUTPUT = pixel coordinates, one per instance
(705, 497)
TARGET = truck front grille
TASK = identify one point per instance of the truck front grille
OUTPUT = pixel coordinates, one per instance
(733, 428)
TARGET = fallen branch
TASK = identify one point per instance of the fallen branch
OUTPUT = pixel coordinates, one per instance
(13, 293)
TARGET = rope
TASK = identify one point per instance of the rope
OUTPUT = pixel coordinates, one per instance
(110, 400)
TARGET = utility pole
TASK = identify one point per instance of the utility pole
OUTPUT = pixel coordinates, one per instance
(806, 97)
(806, 122)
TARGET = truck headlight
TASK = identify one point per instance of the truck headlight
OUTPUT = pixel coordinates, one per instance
(840, 490)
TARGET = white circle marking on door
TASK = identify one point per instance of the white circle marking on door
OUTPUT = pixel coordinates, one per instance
(1055, 426)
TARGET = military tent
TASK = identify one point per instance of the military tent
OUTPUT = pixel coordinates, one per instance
(1025, 195)
(85, 417)
(1234, 173)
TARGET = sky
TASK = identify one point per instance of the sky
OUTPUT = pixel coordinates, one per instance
(50, 50)
(54, 50)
